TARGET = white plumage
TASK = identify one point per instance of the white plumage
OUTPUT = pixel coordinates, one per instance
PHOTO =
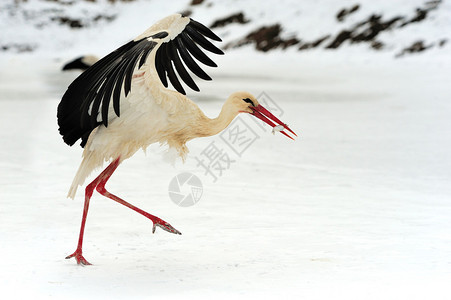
(122, 104)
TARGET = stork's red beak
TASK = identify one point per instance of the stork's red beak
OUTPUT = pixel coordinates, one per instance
(266, 116)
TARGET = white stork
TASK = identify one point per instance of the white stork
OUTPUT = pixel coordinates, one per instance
(122, 104)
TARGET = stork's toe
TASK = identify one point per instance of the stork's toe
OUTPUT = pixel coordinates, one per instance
(165, 226)
(79, 257)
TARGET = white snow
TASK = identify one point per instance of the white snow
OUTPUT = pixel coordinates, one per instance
(358, 207)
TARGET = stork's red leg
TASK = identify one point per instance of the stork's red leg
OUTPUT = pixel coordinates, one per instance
(156, 221)
(88, 194)
(99, 185)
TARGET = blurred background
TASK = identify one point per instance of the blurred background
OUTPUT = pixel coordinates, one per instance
(61, 28)
(358, 207)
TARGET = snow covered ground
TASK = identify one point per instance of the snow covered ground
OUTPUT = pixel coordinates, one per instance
(358, 207)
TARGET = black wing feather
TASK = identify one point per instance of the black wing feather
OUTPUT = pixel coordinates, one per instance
(144, 56)
(196, 52)
(109, 91)
(167, 63)
(89, 96)
(91, 92)
(184, 45)
(159, 65)
(205, 30)
(189, 61)
(181, 69)
(202, 41)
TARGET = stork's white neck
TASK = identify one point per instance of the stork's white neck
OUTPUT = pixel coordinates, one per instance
(209, 127)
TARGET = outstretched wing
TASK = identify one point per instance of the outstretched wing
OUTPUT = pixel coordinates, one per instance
(86, 103)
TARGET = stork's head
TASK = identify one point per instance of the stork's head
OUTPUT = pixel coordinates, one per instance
(244, 102)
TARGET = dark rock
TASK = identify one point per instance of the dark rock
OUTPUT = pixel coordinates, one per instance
(103, 17)
(377, 45)
(235, 18)
(196, 2)
(314, 44)
(375, 26)
(342, 14)
(288, 43)
(339, 39)
(265, 38)
(416, 47)
(319, 41)
(78, 23)
(19, 48)
(421, 14)
(354, 8)
(433, 4)
(365, 31)
(73, 23)
(114, 1)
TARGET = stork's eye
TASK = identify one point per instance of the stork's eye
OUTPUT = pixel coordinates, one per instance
(249, 101)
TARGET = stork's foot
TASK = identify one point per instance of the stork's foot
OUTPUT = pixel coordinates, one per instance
(163, 225)
(80, 259)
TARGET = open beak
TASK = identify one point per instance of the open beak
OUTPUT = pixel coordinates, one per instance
(267, 117)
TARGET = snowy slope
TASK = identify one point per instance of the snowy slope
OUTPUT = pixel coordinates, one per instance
(357, 208)
(65, 30)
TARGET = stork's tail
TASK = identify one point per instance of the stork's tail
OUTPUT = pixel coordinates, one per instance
(87, 165)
